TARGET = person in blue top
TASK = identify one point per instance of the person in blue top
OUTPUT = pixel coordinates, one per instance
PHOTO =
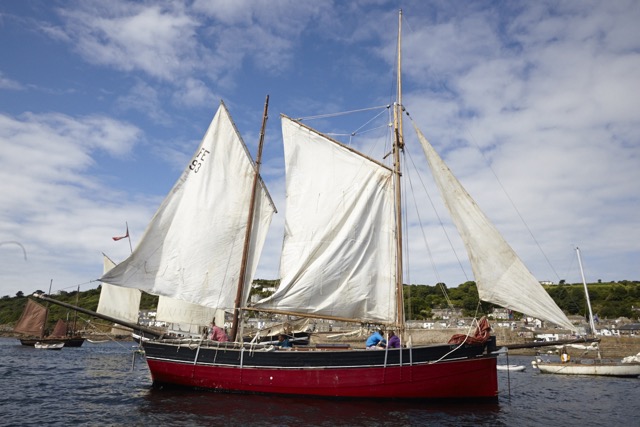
(376, 341)
(283, 341)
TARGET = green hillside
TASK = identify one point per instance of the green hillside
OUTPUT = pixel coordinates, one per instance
(608, 299)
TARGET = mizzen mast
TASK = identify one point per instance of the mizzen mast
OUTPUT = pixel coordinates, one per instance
(398, 145)
(247, 239)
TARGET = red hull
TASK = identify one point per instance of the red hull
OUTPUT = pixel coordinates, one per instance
(460, 379)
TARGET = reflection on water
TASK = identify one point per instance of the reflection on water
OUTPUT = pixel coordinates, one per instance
(98, 384)
(218, 408)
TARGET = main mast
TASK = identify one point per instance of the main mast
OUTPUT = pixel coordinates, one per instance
(398, 145)
(46, 316)
(247, 239)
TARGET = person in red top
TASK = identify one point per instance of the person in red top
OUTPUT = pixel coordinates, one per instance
(217, 333)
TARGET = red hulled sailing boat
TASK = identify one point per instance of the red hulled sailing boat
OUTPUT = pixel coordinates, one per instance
(341, 259)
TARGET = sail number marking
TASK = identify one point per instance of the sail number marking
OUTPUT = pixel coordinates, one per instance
(197, 162)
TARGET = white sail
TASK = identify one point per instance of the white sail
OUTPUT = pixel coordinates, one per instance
(338, 256)
(192, 248)
(191, 316)
(116, 301)
(500, 275)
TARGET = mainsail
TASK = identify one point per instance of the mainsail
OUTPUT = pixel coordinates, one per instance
(32, 320)
(192, 248)
(501, 277)
(338, 256)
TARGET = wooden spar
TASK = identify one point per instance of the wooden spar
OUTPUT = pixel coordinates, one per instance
(550, 343)
(397, 146)
(247, 238)
(133, 326)
(345, 147)
(313, 316)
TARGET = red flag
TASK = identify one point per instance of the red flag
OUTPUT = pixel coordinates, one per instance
(122, 237)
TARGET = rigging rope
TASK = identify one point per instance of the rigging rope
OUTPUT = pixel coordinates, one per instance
(323, 116)
(504, 190)
(440, 221)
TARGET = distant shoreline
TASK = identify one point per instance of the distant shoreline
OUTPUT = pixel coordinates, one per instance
(610, 347)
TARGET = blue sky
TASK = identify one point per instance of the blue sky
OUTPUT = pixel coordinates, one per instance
(103, 103)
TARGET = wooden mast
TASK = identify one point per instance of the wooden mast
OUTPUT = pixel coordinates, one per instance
(247, 238)
(397, 147)
(46, 315)
(75, 314)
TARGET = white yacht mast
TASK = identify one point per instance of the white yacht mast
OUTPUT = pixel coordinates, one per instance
(586, 294)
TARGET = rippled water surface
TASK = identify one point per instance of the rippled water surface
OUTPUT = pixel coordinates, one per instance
(104, 384)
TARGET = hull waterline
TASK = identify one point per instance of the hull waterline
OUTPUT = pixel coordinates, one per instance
(68, 342)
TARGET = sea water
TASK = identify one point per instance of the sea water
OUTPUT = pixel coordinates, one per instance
(108, 384)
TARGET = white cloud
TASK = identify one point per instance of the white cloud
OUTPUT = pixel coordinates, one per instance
(194, 93)
(145, 99)
(6, 83)
(549, 97)
(51, 201)
(546, 90)
(156, 39)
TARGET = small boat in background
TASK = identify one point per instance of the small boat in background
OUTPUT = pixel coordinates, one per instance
(512, 368)
(49, 346)
(32, 326)
(627, 367)
(599, 367)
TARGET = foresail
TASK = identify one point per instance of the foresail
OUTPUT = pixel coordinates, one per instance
(116, 301)
(500, 275)
(192, 248)
(338, 256)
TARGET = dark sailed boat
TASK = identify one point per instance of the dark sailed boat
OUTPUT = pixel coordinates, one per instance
(32, 324)
(341, 260)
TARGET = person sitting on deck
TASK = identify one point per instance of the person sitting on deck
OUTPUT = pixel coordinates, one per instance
(217, 333)
(376, 341)
(394, 341)
(283, 341)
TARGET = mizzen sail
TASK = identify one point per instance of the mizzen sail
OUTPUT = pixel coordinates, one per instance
(500, 275)
(192, 248)
(116, 301)
(338, 256)
(171, 310)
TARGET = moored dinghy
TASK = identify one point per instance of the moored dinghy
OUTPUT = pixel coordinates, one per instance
(49, 345)
(512, 368)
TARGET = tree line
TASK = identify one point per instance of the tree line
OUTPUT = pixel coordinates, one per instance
(608, 299)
